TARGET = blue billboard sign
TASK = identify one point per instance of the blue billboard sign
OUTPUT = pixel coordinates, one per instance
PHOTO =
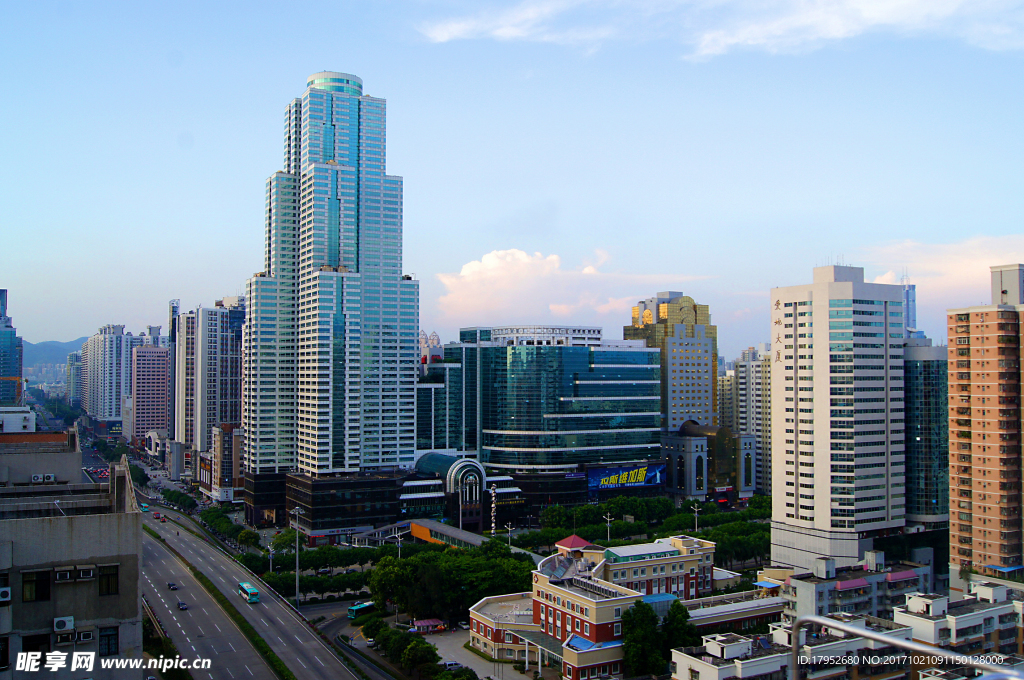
(629, 476)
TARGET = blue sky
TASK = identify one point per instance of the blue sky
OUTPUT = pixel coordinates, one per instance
(562, 158)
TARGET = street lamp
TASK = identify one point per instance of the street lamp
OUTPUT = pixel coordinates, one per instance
(297, 511)
(508, 525)
(271, 560)
(696, 509)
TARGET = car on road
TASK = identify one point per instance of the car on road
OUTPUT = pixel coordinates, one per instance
(323, 571)
(371, 643)
(452, 665)
(172, 586)
(464, 625)
(182, 605)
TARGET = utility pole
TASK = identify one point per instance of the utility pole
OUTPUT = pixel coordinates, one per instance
(297, 511)
(508, 525)
(608, 521)
(696, 509)
(399, 546)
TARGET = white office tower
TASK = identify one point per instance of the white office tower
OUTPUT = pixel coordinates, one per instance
(208, 371)
(330, 344)
(837, 417)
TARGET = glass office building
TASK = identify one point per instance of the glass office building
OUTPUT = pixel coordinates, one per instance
(10, 356)
(331, 341)
(544, 399)
(927, 433)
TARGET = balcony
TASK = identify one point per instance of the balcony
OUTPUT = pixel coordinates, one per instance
(963, 328)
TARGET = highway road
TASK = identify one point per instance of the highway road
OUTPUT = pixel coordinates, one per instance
(299, 647)
(203, 630)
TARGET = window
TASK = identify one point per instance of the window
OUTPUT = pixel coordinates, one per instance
(5, 653)
(108, 641)
(577, 625)
(35, 586)
(615, 668)
(586, 629)
(618, 612)
(108, 580)
(694, 674)
(508, 637)
(617, 630)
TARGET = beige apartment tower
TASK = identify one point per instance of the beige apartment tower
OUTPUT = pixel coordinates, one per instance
(985, 433)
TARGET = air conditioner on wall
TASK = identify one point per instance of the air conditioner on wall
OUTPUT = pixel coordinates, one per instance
(63, 624)
(49, 478)
(5, 594)
(37, 479)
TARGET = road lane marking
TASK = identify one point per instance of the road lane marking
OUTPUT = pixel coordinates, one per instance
(300, 661)
(218, 628)
(318, 660)
(297, 638)
(249, 669)
(264, 622)
(200, 630)
(232, 647)
(279, 638)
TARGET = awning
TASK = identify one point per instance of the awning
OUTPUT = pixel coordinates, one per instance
(767, 584)
(1004, 569)
(852, 583)
(546, 642)
(900, 575)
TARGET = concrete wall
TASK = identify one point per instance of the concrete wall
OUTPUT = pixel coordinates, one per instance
(49, 542)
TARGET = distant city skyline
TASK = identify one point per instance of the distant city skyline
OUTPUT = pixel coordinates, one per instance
(552, 175)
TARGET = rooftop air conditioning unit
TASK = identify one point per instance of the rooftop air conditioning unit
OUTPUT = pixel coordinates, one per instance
(63, 624)
(49, 478)
(37, 479)
(5, 594)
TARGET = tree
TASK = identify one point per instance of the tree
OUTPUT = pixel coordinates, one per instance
(284, 541)
(641, 643)
(419, 652)
(248, 537)
(397, 643)
(676, 629)
(139, 477)
(373, 628)
(553, 516)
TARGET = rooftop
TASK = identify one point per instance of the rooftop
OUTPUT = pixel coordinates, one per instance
(857, 572)
(644, 550)
(517, 608)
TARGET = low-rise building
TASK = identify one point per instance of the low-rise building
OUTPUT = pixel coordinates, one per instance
(574, 612)
(70, 557)
(767, 657)
(987, 621)
(873, 588)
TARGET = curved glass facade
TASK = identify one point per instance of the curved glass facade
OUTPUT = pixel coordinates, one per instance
(562, 406)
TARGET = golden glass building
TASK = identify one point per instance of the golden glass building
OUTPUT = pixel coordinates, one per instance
(682, 330)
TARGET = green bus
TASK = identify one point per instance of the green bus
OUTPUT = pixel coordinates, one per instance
(360, 608)
(250, 594)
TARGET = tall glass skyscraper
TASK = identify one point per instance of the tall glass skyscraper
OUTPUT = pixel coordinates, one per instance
(925, 373)
(10, 356)
(330, 343)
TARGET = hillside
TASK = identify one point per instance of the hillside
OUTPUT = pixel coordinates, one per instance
(50, 352)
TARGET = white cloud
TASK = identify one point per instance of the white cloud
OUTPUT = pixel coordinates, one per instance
(712, 27)
(512, 286)
(947, 275)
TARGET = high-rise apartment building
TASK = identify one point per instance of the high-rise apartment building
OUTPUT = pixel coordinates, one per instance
(751, 406)
(330, 342)
(985, 432)
(837, 417)
(107, 370)
(147, 407)
(682, 330)
(173, 308)
(727, 399)
(73, 393)
(11, 350)
(208, 378)
(927, 434)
